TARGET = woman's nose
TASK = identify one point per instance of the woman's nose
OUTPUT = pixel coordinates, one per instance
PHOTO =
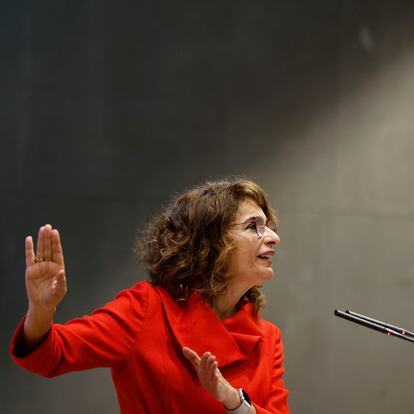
(272, 236)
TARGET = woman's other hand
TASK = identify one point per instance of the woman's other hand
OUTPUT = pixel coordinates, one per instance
(45, 283)
(212, 379)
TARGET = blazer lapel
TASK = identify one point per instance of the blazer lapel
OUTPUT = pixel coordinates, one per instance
(194, 324)
(245, 329)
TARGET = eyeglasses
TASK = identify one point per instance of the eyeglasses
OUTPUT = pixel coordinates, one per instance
(259, 224)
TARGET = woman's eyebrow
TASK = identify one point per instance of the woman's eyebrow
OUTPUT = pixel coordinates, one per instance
(249, 219)
(252, 218)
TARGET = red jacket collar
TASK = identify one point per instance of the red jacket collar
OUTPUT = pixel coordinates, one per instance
(195, 325)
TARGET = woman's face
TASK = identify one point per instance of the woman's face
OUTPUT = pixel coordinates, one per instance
(251, 261)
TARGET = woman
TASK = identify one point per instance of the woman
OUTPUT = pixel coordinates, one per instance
(190, 340)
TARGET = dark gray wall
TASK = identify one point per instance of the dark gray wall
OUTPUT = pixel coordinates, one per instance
(108, 110)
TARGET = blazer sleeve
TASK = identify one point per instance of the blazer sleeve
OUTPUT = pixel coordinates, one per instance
(102, 339)
(278, 394)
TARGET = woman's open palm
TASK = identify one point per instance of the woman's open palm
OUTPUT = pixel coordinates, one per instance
(45, 271)
(208, 373)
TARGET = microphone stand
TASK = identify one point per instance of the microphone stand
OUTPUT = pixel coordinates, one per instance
(388, 329)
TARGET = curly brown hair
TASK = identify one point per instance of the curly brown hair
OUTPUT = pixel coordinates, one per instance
(187, 247)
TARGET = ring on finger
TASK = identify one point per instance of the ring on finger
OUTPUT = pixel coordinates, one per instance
(38, 259)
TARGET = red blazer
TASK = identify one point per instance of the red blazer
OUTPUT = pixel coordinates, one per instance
(140, 334)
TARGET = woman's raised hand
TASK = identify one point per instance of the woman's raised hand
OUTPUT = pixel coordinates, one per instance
(45, 271)
(45, 285)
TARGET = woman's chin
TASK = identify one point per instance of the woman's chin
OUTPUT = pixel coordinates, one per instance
(267, 274)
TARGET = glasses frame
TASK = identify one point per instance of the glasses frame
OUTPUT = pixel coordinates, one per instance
(261, 225)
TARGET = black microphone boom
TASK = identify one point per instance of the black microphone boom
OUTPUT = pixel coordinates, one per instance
(379, 326)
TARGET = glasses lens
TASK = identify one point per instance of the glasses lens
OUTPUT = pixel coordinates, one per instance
(260, 226)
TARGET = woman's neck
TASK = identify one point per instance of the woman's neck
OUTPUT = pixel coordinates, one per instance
(225, 305)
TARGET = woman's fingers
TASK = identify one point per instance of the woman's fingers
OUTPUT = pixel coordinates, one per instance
(209, 374)
(211, 369)
(208, 365)
(57, 252)
(205, 366)
(40, 242)
(47, 243)
(48, 248)
(206, 360)
(191, 356)
(30, 256)
(203, 360)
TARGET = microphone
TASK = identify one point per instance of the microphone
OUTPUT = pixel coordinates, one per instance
(388, 329)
